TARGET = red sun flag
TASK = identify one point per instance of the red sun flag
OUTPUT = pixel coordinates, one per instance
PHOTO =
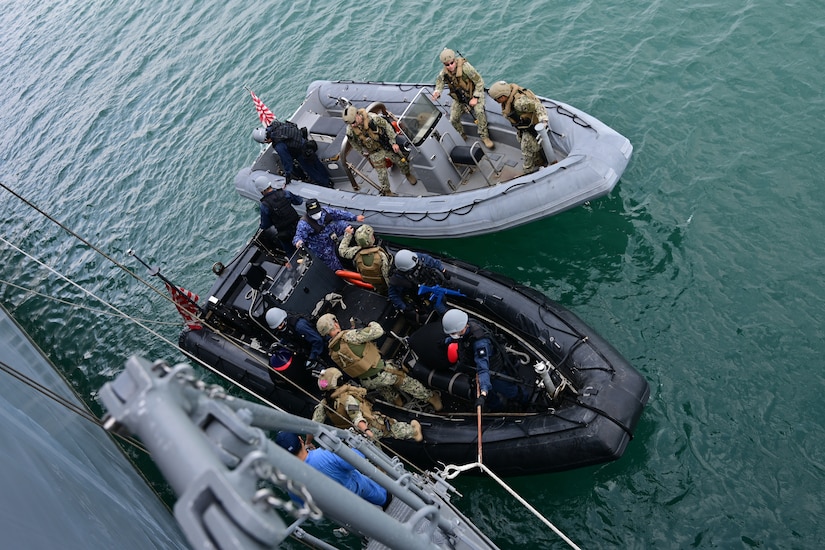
(264, 113)
(185, 303)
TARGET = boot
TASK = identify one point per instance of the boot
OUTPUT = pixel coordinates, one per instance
(417, 435)
(435, 401)
(488, 143)
(412, 179)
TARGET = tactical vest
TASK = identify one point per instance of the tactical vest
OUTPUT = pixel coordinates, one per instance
(461, 87)
(466, 354)
(369, 262)
(339, 397)
(286, 132)
(281, 213)
(522, 121)
(354, 359)
(370, 135)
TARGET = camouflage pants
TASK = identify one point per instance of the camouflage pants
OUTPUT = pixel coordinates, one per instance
(384, 426)
(480, 115)
(386, 383)
(531, 151)
(377, 161)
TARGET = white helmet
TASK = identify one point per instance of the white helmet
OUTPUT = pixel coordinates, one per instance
(454, 322)
(262, 183)
(274, 317)
(259, 134)
(405, 260)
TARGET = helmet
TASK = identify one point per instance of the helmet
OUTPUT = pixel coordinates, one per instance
(499, 89)
(349, 114)
(329, 378)
(405, 260)
(274, 317)
(447, 55)
(365, 235)
(454, 322)
(259, 134)
(326, 323)
(262, 183)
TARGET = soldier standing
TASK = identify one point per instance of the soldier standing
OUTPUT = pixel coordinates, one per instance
(467, 90)
(373, 136)
(524, 110)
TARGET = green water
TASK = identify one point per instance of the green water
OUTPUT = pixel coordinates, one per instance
(704, 267)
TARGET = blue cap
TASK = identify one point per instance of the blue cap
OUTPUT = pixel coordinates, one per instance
(288, 441)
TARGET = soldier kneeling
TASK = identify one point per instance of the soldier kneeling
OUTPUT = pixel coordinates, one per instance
(351, 407)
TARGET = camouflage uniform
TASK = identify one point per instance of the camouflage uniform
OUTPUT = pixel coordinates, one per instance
(468, 74)
(347, 404)
(364, 142)
(524, 110)
(383, 377)
(349, 252)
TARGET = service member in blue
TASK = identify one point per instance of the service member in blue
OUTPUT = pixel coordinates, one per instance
(277, 210)
(478, 350)
(297, 333)
(335, 467)
(320, 229)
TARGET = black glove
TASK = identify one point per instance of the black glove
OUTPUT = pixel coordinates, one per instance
(480, 401)
(355, 322)
(446, 276)
(287, 179)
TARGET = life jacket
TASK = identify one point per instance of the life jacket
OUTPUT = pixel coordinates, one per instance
(291, 335)
(461, 87)
(355, 359)
(281, 212)
(370, 262)
(286, 132)
(466, 353)
(370, 134)
(522, 121)
(339, 398)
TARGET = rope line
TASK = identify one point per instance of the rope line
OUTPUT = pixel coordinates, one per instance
(79, 306)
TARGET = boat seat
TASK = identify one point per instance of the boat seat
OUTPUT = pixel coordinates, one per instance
(254, 275)
(328, 133)
(470, 156)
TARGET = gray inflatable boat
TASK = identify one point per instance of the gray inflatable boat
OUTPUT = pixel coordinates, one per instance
(463, 188)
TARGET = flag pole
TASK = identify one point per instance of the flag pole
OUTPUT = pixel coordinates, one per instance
(155, 272)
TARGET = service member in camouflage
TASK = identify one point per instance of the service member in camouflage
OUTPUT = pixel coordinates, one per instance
(524, 110)
(351, 408)
(467, 90)
(373, 136)
(372, 262)
(354, 350)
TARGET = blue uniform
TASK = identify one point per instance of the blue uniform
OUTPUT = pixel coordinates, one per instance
(332, 465)
(313, 168)
(428, 271)
(332, 222)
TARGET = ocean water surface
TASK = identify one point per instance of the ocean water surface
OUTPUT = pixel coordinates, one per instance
(127, 122)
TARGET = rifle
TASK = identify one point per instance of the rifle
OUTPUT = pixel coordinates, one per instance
(437, 293)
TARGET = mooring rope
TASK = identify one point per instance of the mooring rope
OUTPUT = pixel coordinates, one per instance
(451, 472)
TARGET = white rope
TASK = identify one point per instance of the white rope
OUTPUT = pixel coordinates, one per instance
(78, 306)
(453, 471)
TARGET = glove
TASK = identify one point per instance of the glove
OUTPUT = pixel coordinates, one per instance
(287, 179)
(355, 322)
(446, 276)
(480, 401)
